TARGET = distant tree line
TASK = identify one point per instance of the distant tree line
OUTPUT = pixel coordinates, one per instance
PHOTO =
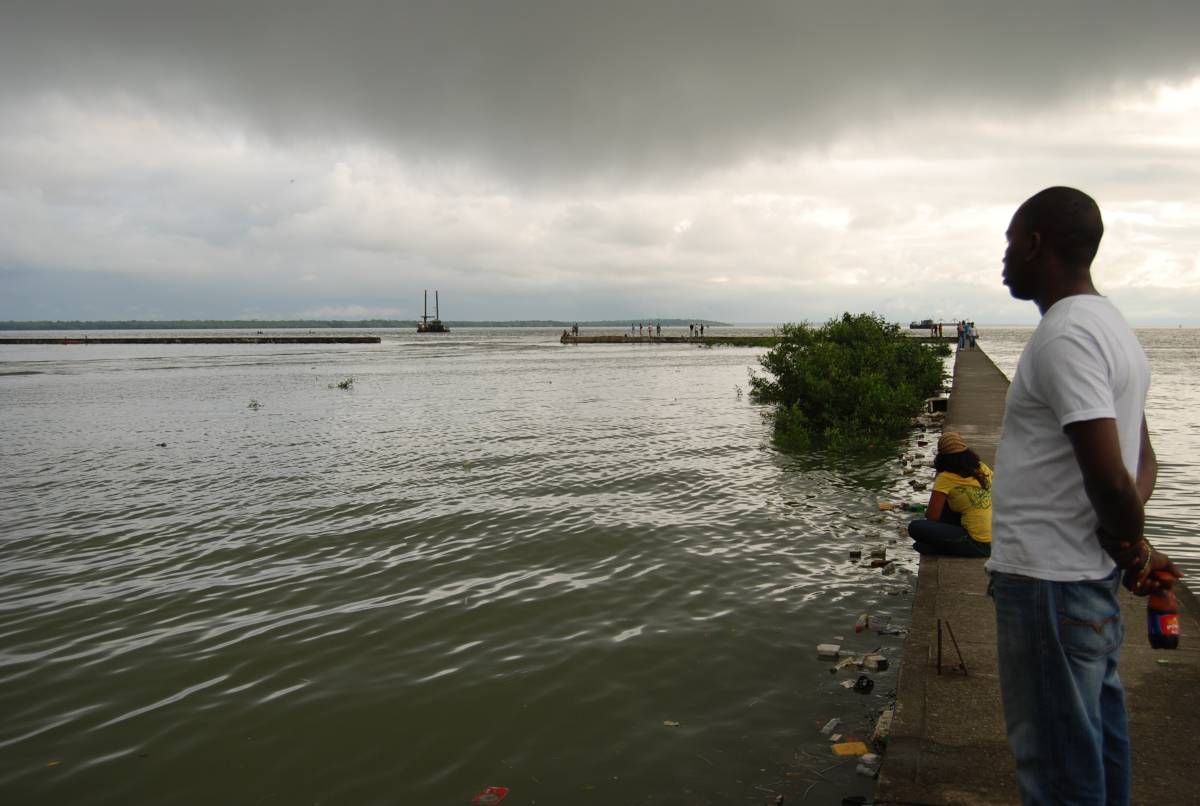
(314, 324)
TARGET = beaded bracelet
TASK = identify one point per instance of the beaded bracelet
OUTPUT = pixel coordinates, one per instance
(1145, 570)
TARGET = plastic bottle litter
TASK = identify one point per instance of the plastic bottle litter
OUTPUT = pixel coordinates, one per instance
(831, 726)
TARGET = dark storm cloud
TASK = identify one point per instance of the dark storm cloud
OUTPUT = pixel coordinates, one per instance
(549, 89)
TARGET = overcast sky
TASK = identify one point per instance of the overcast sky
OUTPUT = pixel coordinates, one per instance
(750, 162)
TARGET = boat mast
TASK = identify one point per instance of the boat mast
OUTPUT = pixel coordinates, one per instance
(437, 316)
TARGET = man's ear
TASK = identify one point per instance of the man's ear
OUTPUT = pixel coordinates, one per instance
(1035, 245)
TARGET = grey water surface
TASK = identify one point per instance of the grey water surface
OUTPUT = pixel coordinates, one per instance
(491, 561)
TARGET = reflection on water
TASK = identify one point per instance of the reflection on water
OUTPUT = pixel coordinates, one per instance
(494, 560)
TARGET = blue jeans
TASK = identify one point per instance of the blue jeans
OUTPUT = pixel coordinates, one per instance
(1058, 644)
(939, 537)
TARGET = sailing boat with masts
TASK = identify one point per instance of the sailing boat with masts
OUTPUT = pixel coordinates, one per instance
(426, 325)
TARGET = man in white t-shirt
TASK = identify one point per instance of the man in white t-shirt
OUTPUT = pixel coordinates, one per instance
(1073, 470)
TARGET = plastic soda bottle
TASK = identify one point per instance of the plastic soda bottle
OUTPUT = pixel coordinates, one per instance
(1162, 620)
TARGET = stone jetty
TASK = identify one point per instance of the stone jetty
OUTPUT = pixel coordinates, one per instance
(948, 742)
(731, 340)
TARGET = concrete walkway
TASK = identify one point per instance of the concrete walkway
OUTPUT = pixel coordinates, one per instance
(948, 743)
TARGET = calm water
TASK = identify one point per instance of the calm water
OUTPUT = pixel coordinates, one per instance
(494, 560)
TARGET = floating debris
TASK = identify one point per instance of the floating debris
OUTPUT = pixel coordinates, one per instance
(831, 726)
(846, 663)
(850, 749)
(856, 554)
(493, 794)
(876, 663)
(864, 684)
(828, 651)
(670, 723)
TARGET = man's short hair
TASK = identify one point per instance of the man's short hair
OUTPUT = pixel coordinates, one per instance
(1069, 222)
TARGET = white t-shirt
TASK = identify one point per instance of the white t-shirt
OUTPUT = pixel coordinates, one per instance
(1082, 363)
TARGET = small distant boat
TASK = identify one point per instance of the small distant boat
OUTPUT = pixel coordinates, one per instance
(427, 325)
(924, 324)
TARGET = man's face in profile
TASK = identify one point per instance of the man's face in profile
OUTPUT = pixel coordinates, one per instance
(1018, 272)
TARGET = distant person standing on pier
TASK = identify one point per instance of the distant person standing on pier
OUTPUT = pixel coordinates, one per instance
(1073, 471)
(701, 329)
(691, 330)
(961, 330)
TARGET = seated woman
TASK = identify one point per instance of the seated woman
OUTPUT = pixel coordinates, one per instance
(958, 520)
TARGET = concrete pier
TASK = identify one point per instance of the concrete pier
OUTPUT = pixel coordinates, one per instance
(704, 341)
(708, 341)
(948, 743)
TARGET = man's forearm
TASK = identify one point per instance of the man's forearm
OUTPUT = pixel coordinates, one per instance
(1118, 506)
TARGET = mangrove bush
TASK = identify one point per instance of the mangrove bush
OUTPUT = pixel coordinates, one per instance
(852, 383)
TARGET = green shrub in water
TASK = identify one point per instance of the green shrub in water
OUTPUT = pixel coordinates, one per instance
(853, 383)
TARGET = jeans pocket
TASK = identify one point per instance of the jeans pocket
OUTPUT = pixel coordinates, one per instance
(1089, 618)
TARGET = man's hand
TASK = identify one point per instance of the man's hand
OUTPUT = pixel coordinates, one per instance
(1159, 575)
(1146, 569)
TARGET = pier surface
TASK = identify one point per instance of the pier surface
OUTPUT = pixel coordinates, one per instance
(706, 341)
(948, 743)
(195, 340)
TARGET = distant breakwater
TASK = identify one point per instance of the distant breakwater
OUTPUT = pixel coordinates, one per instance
(197, 340)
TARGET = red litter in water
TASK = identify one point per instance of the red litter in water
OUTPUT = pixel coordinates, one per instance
(493, 794)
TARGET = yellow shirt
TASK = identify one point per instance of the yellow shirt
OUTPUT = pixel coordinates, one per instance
(965, 496)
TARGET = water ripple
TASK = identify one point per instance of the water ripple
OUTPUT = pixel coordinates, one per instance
(494, 560)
